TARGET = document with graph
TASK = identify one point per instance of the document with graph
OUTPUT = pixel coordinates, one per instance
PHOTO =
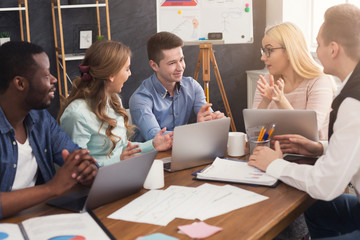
(59, 226)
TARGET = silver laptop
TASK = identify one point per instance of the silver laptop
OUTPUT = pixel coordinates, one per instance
(198, 144)
(302, 122)
(111, 183)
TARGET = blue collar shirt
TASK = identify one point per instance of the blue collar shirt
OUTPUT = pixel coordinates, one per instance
(152, 108)
(46, 139)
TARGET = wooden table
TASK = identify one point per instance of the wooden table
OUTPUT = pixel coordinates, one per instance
(262, 220)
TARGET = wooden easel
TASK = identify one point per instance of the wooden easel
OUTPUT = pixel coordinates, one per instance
(206, 55)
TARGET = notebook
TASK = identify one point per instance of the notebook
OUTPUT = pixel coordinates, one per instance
(111, 183)
(302, 122)
(198, 144)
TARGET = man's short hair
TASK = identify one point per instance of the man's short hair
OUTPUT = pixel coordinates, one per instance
(16, 59)
(342, 25)
(162, 41)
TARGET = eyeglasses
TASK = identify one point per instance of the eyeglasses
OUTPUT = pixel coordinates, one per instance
(268, 51)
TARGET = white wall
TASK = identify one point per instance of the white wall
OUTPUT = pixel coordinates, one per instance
(274, 12)
(298, 12)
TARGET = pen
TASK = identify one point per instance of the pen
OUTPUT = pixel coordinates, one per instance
(266, 136)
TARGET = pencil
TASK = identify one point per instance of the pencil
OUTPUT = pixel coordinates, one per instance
(270, 132)
(207, 94)
(261, 131)
(262, 135)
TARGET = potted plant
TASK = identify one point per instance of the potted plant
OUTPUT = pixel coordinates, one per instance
(4, 37)
(100, 37)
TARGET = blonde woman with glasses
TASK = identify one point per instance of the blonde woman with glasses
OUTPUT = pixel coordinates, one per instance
(295, 80)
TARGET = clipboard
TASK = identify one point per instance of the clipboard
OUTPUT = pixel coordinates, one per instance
(235, 171)
(242, 183)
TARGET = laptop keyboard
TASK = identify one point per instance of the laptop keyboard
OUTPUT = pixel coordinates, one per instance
(77, 204)
(73, 201)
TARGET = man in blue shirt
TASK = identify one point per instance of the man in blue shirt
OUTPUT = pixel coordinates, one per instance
(31, 141)
(167, 98)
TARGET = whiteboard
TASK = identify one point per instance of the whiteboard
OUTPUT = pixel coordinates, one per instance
(192, 20)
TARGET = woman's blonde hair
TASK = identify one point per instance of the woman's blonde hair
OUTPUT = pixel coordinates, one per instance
(291, 38)
(103, 59)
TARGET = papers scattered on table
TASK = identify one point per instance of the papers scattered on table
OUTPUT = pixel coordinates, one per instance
(162, 206)
(226, 170)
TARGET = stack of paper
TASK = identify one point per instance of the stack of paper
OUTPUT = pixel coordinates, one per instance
(227, 170)
(162, 206)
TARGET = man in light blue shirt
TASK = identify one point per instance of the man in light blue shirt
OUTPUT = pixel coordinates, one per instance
(167, 98)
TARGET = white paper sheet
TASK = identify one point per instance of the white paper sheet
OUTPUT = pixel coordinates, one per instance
(160, 207)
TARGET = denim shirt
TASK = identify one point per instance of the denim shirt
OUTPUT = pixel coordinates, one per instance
(46, 139)
(152, 108)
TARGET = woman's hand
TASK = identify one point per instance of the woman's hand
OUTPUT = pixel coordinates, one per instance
(265, 88)
(279, 91)
(129, 151)
(163, 142)
(279, 95)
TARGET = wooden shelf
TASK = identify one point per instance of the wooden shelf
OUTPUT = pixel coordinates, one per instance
(73, 56)
(61, 57)
(20, 9)
(82, 6)
(12, 9)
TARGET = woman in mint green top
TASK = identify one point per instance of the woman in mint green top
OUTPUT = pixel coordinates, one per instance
(93, 115)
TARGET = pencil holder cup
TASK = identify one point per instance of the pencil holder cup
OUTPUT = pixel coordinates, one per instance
(254, 143)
